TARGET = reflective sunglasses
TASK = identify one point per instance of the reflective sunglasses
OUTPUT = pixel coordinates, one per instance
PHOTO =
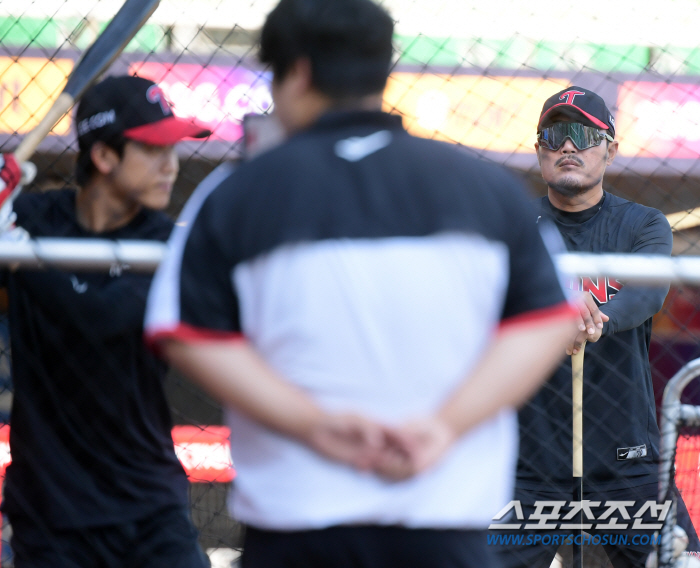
(583, 137)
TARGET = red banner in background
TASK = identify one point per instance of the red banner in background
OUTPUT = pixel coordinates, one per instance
(688, 475)
(217, 97)
(5, 457)
(203, 451)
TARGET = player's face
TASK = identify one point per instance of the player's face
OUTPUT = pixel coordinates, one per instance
(572, 172)
(145, 175)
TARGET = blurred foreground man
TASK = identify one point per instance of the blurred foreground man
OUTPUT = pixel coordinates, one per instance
(371, 306)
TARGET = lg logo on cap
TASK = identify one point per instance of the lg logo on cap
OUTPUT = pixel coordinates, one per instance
(155, 94)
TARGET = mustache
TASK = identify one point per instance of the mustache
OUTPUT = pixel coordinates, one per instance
(571, 158)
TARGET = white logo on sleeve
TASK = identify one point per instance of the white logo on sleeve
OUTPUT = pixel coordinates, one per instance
(118, 268)
(79, 287)
(358, 147)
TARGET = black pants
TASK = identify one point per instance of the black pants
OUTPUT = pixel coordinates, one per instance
(367, 547)
(625, 548)
(166, 539)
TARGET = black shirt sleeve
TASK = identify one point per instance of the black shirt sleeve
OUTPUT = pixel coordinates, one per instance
(633, 305)
(193, 291)
(207, 295)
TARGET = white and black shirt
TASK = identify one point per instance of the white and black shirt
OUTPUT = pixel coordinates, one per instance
(371, 269)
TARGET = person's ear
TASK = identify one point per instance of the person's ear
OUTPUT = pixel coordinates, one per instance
(612, 152)
(301, 75)
(537, 153)
(104, 158)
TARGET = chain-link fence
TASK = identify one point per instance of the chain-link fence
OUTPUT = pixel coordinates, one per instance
(472, 74)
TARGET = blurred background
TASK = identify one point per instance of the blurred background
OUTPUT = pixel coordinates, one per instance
(469, 73)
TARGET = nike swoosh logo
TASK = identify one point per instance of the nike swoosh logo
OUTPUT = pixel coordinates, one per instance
(79, 287)
(358, 147)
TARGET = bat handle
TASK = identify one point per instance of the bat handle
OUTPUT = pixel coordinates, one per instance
(577, 403)
(31, 141)
(577, 440)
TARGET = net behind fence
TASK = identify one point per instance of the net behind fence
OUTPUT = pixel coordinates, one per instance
(471, 75)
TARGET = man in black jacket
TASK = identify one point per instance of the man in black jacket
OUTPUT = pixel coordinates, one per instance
(575, 144)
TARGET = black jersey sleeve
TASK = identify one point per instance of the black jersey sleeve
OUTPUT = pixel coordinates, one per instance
(633, 305)
(193, 294)
(208, 297)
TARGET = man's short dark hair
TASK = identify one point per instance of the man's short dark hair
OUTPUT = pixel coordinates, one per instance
(84, 166)
(348, 43)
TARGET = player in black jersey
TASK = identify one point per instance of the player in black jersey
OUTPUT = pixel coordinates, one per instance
(575, 144)
(94, 479)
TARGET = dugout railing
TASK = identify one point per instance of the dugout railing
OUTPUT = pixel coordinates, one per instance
(144, 256)
(674, 417)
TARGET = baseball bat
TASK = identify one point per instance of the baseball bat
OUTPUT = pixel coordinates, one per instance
(577, 441)
(110, 43)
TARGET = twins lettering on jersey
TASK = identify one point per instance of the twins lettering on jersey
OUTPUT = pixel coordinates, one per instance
(602, 289)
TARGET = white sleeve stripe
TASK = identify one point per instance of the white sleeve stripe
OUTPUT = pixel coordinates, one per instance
(163, 307)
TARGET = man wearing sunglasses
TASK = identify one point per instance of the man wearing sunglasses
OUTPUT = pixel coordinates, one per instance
(575, 144)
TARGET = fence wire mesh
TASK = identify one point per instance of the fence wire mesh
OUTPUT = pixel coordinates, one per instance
(472, 74)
